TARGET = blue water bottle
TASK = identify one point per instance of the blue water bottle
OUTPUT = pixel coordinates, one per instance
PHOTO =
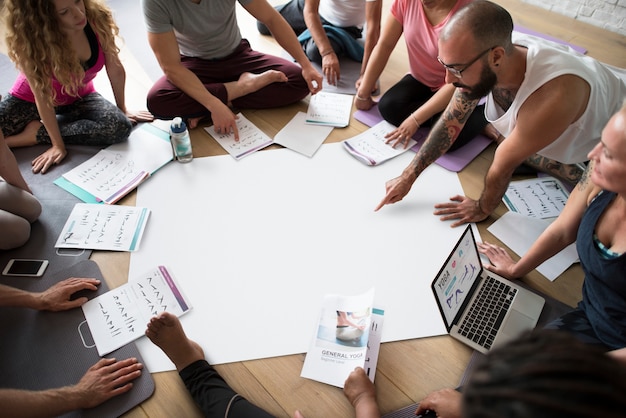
(181, 143)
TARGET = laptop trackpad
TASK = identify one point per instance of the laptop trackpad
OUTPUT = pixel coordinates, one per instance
(517, 323)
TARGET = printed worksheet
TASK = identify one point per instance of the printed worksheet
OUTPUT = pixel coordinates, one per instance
(119, 316)
(538, 198)
(103, 227)
(348, 335)
(119, 168)
(251, 138)
(330, 109)
(370, 147)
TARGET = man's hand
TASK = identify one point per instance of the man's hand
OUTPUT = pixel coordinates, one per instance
(501, 261)
(330, 66)
(396, 190)
(462, 208)
(446, 403)
(52, 156)
(57, 297)
(224, 120)
(312, 78)
(106, 379)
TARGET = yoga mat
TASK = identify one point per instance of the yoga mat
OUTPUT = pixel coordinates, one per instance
(57, 205)
(42, 350)
(454, 161)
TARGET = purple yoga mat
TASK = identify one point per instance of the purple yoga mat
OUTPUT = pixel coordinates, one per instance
(453, 161)
(527, 31)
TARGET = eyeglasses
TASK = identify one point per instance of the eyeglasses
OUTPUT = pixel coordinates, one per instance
(459, 73)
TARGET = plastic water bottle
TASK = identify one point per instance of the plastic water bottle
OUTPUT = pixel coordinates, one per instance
(179, 137)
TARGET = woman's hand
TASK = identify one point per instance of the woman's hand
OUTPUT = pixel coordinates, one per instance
(54, 155)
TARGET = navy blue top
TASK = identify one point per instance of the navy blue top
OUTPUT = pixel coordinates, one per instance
(604, 288)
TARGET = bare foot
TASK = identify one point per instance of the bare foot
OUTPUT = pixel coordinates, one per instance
(249, 83)
(166, 332)
(193, 122)
(27, 137)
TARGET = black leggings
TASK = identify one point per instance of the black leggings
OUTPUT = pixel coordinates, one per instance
(213, 395)
(408, 95)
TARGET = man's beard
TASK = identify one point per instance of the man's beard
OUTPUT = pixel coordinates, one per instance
(488, 80)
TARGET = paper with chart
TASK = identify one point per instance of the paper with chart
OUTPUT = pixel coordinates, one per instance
(348, 335)
(300, 137)
(538, 198)
(119, 316)
(104, 227)
(370, 147)
(519, 232)
(118, 169)
(251, 138)
(330, 109)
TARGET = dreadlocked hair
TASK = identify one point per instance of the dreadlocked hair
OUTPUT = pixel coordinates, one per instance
(41, 50)
(546, 373)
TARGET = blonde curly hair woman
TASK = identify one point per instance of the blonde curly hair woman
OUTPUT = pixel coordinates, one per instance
(59, 46)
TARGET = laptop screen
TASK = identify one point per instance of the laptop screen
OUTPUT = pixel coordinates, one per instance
(455, 279)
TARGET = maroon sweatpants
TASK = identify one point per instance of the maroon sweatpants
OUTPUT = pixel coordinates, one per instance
(166, 101)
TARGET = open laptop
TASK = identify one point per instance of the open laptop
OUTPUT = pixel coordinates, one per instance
(462, 286)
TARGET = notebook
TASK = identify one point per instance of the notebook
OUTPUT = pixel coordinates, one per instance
(480, 308)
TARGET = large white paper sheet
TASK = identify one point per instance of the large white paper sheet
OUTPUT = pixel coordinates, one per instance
(258, 243)
(519, 232)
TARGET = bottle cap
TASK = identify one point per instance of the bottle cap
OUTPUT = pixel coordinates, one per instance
(178, 125)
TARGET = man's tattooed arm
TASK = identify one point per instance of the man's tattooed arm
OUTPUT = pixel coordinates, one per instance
(444, 133)
(571, 173)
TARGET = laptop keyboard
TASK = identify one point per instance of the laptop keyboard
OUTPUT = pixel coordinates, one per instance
(485, 316)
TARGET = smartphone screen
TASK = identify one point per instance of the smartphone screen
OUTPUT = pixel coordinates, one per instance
(24, 267)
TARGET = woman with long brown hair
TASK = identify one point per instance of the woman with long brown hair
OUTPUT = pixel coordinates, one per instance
(59, 46)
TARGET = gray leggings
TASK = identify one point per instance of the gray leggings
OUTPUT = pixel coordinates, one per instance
(91, 120)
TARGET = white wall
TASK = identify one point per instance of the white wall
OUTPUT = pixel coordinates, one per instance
(607, 14)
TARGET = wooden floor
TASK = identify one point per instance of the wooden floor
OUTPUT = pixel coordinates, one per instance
(407, 370)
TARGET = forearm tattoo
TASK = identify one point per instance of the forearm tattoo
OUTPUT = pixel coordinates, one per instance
(445, 131)
(571, 173)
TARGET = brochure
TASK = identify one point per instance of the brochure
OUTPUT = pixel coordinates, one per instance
(330, 109)
(118, 169)
(542, 198)
(119, 316)
(103, 227)
(251, 138)
(348, 335)
(370, 147)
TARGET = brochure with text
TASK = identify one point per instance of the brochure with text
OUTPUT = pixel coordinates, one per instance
(348, 335)
(120, 315)
(371, 148)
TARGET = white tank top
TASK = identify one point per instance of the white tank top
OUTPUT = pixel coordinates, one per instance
(546, 61)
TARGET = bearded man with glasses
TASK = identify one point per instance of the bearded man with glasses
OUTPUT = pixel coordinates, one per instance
(548, 104)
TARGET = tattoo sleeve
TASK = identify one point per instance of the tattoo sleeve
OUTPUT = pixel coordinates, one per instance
(445, 132)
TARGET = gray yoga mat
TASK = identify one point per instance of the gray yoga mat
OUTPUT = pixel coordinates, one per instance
(41, 350)
(57, 205)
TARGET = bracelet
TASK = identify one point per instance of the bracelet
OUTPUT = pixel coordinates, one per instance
(415, 120)
(480, 208)
(362, 98)
(327, 53)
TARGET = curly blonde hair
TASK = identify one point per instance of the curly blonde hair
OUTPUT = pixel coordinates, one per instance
(41, 50)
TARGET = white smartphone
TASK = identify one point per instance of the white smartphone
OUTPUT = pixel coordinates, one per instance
(25, 267)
